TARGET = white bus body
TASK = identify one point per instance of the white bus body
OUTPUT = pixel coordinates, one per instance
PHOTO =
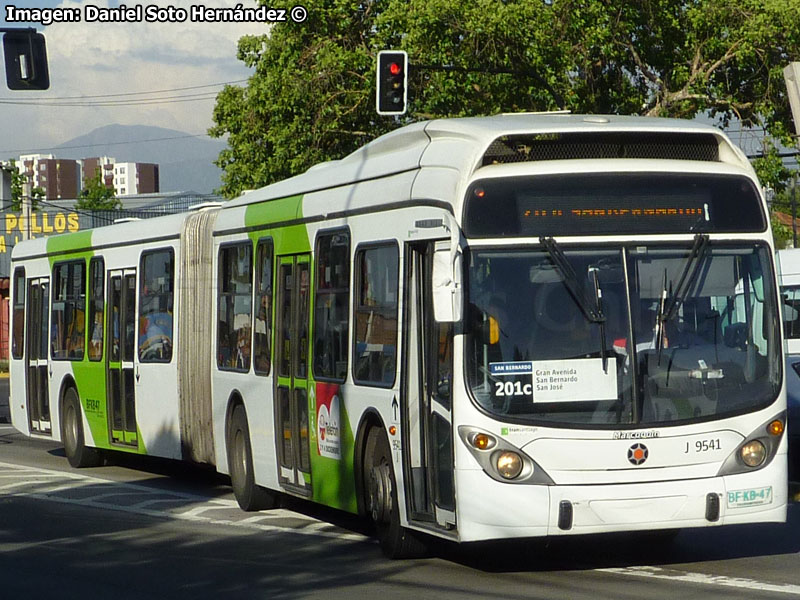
(555, 397)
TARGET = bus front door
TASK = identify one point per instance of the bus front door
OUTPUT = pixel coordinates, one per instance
(121, 333)
(37, 362)
(426, 407)
(291, 359)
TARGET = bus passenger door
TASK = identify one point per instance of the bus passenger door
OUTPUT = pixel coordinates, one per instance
(427, 407)
(291, 359)
(121, 335)
(37, 361)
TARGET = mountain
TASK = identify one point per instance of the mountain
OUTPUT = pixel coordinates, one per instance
(185, 161)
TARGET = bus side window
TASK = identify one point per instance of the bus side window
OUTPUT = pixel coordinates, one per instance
(156, 306)
(18, 339)
(96, 306)
(262, 332)
(68, 317)
(332, 306)
(375, 329)
(235, 307)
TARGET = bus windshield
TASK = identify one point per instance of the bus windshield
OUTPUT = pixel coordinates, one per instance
(676, 334)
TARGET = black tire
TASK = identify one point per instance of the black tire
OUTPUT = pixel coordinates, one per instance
(250, 496)
(78, 454)
(380, 501)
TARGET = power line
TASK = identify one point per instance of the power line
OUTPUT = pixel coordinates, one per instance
(57, 148)
(180, 89)
(143, 102)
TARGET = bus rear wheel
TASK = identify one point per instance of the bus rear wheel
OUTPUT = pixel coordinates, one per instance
(380, 500)
(75, 448)
(250, 496)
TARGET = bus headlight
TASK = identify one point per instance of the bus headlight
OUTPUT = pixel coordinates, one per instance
(500, 459)
(758, 449)
(508, 464)
(753, 454)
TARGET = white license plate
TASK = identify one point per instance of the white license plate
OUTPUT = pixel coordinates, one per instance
(751, 497)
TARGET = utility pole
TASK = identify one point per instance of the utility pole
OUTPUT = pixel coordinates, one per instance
(26, 208)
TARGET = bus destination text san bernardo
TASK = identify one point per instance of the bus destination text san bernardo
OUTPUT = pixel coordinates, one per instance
(152, 13)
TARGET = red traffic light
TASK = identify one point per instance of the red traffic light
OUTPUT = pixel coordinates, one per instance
(391, 79)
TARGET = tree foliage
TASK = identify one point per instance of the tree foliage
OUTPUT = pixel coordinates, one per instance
(311, 97)
(96, 196)
(18, 191)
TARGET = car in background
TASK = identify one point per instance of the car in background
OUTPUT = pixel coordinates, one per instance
(789, 272)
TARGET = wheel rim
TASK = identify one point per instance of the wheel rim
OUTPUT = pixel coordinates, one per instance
(380, 492)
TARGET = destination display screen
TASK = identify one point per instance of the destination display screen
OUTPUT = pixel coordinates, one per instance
(612, 203)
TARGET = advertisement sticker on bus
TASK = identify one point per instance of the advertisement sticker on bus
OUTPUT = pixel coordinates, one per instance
(328, 421)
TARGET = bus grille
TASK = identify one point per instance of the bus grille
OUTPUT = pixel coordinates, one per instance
(570, 146)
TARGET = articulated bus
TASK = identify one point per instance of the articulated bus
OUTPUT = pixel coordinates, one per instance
(484, 328)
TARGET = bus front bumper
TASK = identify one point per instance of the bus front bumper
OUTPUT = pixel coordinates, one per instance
(488, 509)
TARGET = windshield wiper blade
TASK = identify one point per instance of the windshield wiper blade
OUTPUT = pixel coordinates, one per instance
(598, 295)
(670, 302)
(696, 257)
(590, 307)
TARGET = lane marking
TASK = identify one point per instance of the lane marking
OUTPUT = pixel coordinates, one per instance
(24, 474)
(704, 579)
(192, 513)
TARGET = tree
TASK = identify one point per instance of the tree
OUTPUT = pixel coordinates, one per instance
(96, 196)
(783, 234)
(18, 189)
(311, 97)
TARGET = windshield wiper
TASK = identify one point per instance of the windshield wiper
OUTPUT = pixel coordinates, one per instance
(590, 306)
(670, 303)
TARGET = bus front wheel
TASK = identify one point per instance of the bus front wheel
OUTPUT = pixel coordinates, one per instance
(75, 448)
(250, 496)
(380, 500)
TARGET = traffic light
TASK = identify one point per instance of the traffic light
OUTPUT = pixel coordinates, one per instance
(392, 77)
(26, 59)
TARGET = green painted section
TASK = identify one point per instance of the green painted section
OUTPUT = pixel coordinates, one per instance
(90, 376)
(332, 480)
(288, 240)
(68, 242)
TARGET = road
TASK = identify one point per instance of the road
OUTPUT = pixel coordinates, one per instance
(155, 529)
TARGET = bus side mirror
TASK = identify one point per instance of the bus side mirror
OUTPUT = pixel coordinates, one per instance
(448, 295)
(26, 60)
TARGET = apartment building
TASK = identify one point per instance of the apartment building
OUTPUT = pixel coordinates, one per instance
(58, 177)
(135, 178)
(102, 164)
(65, 178)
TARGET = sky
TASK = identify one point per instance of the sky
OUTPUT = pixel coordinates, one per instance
(134, 61)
